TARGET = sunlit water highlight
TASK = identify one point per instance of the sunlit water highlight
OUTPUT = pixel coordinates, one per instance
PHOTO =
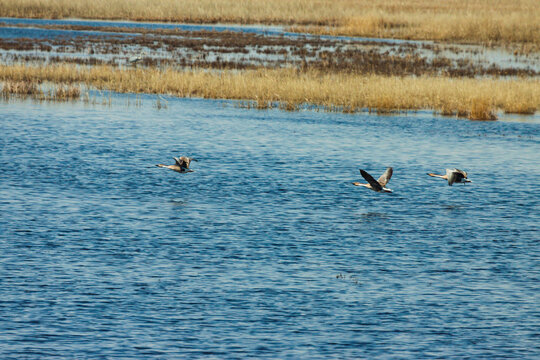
(266, 250)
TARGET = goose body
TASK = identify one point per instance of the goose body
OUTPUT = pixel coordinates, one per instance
(181, 164)
(453, 176)
(135, 59)
(376, 185)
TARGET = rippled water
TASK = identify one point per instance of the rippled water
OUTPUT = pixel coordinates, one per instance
(266, 250)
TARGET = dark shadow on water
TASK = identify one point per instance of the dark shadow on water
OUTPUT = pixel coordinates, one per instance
(178, 202)
(453, 207)
(372, 216)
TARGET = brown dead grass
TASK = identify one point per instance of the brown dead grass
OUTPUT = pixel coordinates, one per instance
(20, 88)
(24, 88)
(292, 89)
(481, 109)
(485, 21)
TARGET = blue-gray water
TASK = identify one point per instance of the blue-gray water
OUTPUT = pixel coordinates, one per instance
(266, 250)
(255, 29)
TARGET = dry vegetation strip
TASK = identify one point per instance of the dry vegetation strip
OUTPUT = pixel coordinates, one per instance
(292, 89)
(486, 21)
(24, 89)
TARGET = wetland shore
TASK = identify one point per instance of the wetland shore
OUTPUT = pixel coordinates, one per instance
(482, 21)
(264, 67)
(293, 89)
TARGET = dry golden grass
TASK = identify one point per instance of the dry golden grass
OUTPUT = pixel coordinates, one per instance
(32, 88)
(20, 88)
(63, 92)
(481, 109)
(291, 89)
(486, 21)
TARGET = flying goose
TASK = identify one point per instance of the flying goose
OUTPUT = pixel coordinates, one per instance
(453, 176)
(376, 185)
(181, 164)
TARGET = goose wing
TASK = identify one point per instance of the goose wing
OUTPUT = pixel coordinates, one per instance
(374, 184)
(460, 174)
(453, 175)
(179, 161)
(385, 178)
(183, 161)
(186, 161)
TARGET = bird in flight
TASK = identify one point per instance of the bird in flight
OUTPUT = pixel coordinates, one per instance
(453, 176)
(181, 164)
(376, 185)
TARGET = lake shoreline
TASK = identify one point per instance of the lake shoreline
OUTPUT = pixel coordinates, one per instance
(290, 89)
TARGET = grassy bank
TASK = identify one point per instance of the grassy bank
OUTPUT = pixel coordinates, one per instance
(291, 89)
(485, 21)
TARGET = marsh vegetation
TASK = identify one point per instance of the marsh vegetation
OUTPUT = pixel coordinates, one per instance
(266, 68)
(482, 21)
(292, 89)
(34, 89)
(236, 50)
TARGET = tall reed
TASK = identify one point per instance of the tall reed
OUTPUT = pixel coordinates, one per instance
(331, 91)
(34, 89)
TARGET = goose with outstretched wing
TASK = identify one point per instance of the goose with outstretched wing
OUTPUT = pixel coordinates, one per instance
(181, 164)
(376, 185)
(453, 176)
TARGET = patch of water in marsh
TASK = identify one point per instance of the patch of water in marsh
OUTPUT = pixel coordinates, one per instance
(114, 42)
(266, 250)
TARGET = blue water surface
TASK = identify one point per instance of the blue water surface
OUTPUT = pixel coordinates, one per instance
(266, 250)
(257, 29)
(265, 30)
